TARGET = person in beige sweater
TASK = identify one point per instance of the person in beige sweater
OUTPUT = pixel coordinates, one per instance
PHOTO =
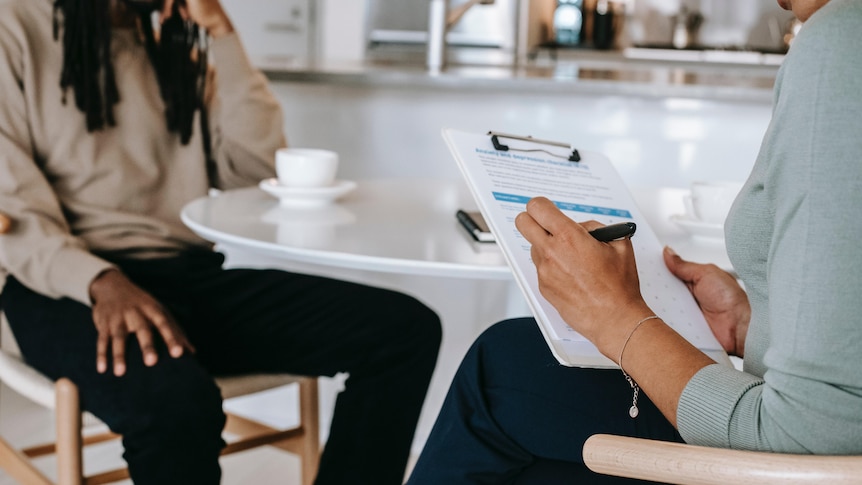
(107, 128)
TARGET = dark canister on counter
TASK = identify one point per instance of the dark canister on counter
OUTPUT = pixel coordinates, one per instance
(604, 25)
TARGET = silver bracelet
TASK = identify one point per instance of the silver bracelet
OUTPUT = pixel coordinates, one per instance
(633, 411)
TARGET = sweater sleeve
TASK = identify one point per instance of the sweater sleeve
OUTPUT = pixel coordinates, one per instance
(40, 250)
(248, 126)
(809, 398)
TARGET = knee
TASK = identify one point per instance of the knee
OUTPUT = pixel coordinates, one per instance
(497, 354)
(421, 339)
(428, 327)
(410, 336)
(173, 433)
(182, 409)
(419, 322)
(196, 407)
(506, 338)
(508, 332)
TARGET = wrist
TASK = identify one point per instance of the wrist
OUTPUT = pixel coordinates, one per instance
(102, 282)
(611, 340)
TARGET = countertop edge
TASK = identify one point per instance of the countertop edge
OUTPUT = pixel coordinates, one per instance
(660, 81)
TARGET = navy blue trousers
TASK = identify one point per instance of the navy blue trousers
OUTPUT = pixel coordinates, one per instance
(514, 415)
(242, 321)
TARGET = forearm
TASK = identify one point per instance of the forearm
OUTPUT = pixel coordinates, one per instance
(248, 124)
(246, 103)
(38, 247)
(595, 288)
(658, 359)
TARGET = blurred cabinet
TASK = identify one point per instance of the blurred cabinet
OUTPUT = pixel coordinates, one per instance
(275, 32)
(486, 34)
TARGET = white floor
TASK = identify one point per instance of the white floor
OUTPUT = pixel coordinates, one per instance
(23, 423)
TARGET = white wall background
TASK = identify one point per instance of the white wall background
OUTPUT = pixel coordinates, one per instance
(395, 131)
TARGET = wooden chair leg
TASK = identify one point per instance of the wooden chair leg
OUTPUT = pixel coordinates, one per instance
(69, 461)
(18, 466)
(69, 445)
(309, 418)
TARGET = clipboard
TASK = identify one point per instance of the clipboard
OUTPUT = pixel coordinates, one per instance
(503, 179)
(573, 155)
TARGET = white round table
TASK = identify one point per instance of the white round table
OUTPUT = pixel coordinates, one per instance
(405, 226)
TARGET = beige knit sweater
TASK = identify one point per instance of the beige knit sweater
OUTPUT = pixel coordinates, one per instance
(72, 193)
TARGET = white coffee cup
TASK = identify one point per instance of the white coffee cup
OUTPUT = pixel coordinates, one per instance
(710, 201)
(305, 167)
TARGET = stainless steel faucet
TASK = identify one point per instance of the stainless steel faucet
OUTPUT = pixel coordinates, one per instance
(440, 20)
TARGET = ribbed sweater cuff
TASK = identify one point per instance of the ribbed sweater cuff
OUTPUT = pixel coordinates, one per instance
(709, 403)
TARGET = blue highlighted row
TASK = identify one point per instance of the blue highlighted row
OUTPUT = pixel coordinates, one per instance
(567, 206)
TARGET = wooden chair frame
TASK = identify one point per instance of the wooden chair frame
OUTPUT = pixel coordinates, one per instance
(683, 464)
(303, 440)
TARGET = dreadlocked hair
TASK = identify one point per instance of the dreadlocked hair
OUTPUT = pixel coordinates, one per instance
(86, 57)
(179, 58)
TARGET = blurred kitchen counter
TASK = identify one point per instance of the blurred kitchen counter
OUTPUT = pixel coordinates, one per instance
(604, 73)
(666, 123)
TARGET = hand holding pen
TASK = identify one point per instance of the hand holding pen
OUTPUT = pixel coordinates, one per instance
(593, 286)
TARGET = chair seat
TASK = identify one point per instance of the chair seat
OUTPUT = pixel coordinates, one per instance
(241, 385)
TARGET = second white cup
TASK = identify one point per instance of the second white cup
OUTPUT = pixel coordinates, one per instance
(305, 167)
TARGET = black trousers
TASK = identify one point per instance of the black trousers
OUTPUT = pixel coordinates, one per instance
(241, 321)
(514, 415)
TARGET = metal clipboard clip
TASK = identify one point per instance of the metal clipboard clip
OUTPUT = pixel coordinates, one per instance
(574, 156)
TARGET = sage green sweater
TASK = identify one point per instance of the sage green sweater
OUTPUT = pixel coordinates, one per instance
(794, 237)
(73, 193)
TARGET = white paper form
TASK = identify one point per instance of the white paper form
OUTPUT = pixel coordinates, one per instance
(503, 181)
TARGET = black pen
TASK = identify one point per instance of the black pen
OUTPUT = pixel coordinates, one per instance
(614, 231)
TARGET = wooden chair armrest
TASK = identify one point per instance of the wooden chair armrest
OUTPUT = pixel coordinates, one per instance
(687, 464)
(5, 223)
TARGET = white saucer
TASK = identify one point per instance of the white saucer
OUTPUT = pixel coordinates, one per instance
(699, 228)
(306, 196)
